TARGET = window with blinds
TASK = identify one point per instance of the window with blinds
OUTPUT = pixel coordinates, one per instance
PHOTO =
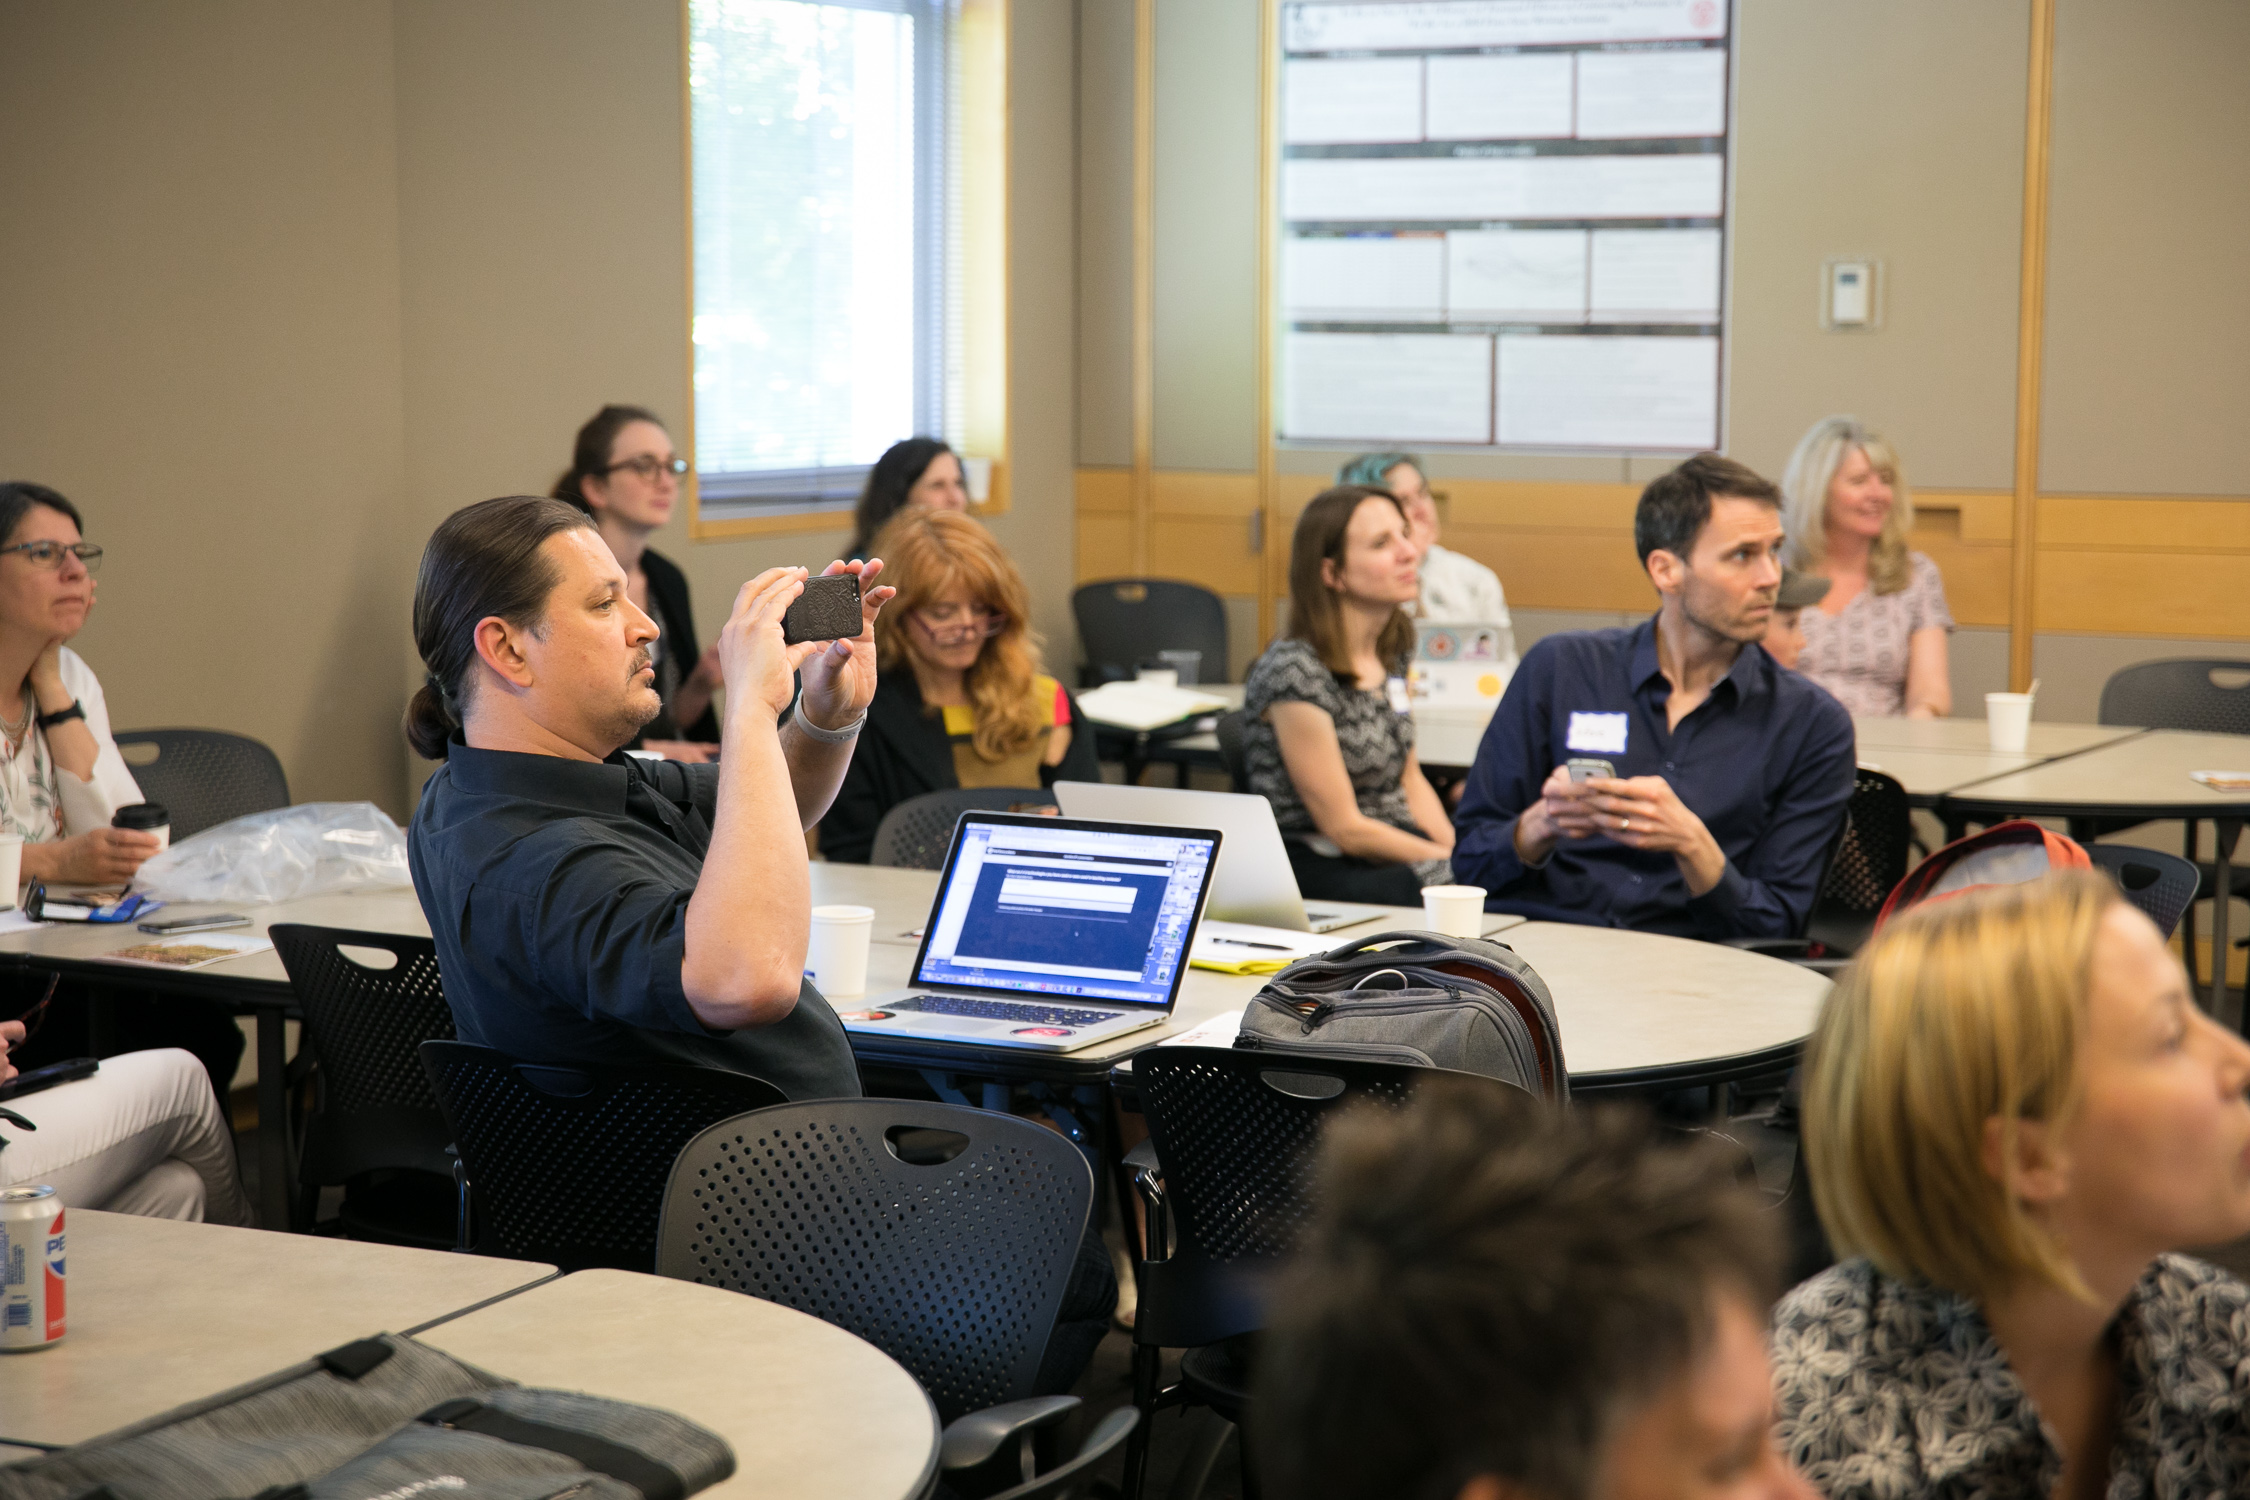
(825, 319)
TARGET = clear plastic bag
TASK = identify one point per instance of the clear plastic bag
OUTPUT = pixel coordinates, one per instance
(312, 849)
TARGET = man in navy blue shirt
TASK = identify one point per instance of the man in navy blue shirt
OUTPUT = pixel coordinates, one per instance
(1731, 772)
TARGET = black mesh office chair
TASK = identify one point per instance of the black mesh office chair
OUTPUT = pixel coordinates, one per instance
(2161, 885)
(203, 777)
(1229, 731)
(1869, 857)
(1124, 622)
(568, 1165)
(2205, 695)
(378, 1132)
(916, 834)
(944, 1236)
(1236, 1133)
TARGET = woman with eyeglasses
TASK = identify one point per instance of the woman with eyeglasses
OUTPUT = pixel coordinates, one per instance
(61, 778)
(624, 474)
(961, 701)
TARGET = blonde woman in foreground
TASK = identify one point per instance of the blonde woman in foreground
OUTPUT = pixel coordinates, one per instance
(2014, 1114)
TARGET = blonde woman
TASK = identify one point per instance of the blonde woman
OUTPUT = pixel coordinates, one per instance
(961, 701)
(2013, 1115)
(1878, 641)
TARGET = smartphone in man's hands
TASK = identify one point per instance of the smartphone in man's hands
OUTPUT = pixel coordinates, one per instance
(1585, 768)
(828, 610)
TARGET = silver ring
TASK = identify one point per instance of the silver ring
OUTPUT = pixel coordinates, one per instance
(1625, 825)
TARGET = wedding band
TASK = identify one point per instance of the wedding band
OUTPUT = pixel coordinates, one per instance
(1625, 825)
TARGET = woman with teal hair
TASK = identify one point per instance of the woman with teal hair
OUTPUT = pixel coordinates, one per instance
(1456, 589)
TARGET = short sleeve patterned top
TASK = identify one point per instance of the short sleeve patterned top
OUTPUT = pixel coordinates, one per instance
(1375, 739)
(1860, 655)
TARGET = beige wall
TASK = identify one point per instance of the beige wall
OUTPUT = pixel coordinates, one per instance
(304, 279)
(199, 343)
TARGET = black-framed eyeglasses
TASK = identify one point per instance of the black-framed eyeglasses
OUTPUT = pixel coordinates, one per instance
(38, 1013)
(648, 466)
(50, 555)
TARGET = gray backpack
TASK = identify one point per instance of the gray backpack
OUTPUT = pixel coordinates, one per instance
(1469, 1004)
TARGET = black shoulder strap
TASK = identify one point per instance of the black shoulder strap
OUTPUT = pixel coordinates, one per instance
(630, 1465)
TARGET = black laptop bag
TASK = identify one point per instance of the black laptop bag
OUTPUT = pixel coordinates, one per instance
(1469, 1004)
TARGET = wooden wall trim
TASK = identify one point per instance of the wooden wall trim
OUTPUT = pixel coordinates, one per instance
(2122, 565)
(1144, 279)
(2031, 328)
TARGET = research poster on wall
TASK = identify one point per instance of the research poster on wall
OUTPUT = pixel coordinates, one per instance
(1504, 222)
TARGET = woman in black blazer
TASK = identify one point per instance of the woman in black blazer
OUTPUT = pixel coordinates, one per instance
(624, 474)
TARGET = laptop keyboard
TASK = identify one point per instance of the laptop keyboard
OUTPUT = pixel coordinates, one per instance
(1004, 1010)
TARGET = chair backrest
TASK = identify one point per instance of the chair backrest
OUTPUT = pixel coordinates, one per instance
(852, 1210)
(363, 1025)
(1237, 1133)
(1877, 845)
(1229, 731)
(204, 777)
(2160, 884)
(2190, 692)
(568, 1164)
(1123, 622)
(915, 834)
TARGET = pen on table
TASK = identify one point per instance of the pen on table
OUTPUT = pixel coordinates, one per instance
(1239, 943)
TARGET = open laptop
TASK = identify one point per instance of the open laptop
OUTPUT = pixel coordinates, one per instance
(1051, 934)
(1255, 883)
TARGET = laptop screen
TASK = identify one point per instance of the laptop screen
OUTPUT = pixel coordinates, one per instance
(1054, 906)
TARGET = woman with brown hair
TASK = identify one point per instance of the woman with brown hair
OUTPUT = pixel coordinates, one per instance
(961, 701)
(1328, 742)
(2014, 1115)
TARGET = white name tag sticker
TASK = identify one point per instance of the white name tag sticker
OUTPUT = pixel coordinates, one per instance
(1402, 701)
(1598, 734)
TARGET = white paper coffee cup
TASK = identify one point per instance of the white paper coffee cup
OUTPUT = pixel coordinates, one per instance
(2007, 719)
(836, 956)
(1455, 910)
(1163, 677)
(11, 866)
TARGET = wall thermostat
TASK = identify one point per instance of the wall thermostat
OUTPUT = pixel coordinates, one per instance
(1850, 294)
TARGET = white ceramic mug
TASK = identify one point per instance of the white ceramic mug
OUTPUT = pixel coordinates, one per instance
(2007, 720)
(1455, 910)
(836, 956)
(11, 866)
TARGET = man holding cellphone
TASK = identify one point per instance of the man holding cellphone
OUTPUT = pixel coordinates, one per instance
(592, 908)
(1726, 774)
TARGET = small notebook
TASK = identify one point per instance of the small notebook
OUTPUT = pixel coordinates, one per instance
(190, 950)
(2223, 781)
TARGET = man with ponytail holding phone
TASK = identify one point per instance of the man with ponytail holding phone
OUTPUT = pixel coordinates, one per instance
(594, 909)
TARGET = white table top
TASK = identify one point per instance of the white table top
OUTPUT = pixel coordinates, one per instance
(162, 1312)
(2148, 771)
(809, 1409)
(1932, 773)
(2044, 742)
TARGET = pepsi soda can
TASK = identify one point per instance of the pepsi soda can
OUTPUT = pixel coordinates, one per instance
(31, 1268)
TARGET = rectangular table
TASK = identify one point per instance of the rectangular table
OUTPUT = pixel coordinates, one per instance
(162, 1312)
(2045, 741)
(2138, 779)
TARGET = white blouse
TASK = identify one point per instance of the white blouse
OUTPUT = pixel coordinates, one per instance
(39, 801)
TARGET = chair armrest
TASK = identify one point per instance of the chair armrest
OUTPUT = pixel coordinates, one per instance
(1148, 1181)
(1100, 1443)
(971, 1439)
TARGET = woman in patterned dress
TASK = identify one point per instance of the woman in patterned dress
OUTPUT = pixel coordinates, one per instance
(1328, 741)
(61, 777)
(2014, 1115)
(1878, 641)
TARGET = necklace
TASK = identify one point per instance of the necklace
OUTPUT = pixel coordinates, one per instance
(16, 732)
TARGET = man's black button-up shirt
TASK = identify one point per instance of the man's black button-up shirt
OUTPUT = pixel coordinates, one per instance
(1766, 761)
(557, 891)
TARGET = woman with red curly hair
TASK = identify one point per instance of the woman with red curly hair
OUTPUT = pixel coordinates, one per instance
(961, 701)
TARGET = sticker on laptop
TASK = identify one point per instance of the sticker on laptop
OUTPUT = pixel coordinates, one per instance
(1599, 734)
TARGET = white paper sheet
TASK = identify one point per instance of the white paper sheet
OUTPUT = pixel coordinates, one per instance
(1388, 387)
(1636, 95)
(1586, 392)
(1456, 190)
(1655, 276)
(1496, 23)
(1234, 941)
(1351, 100)
(1521, 275)
(1509, 97)
(1384, 278)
